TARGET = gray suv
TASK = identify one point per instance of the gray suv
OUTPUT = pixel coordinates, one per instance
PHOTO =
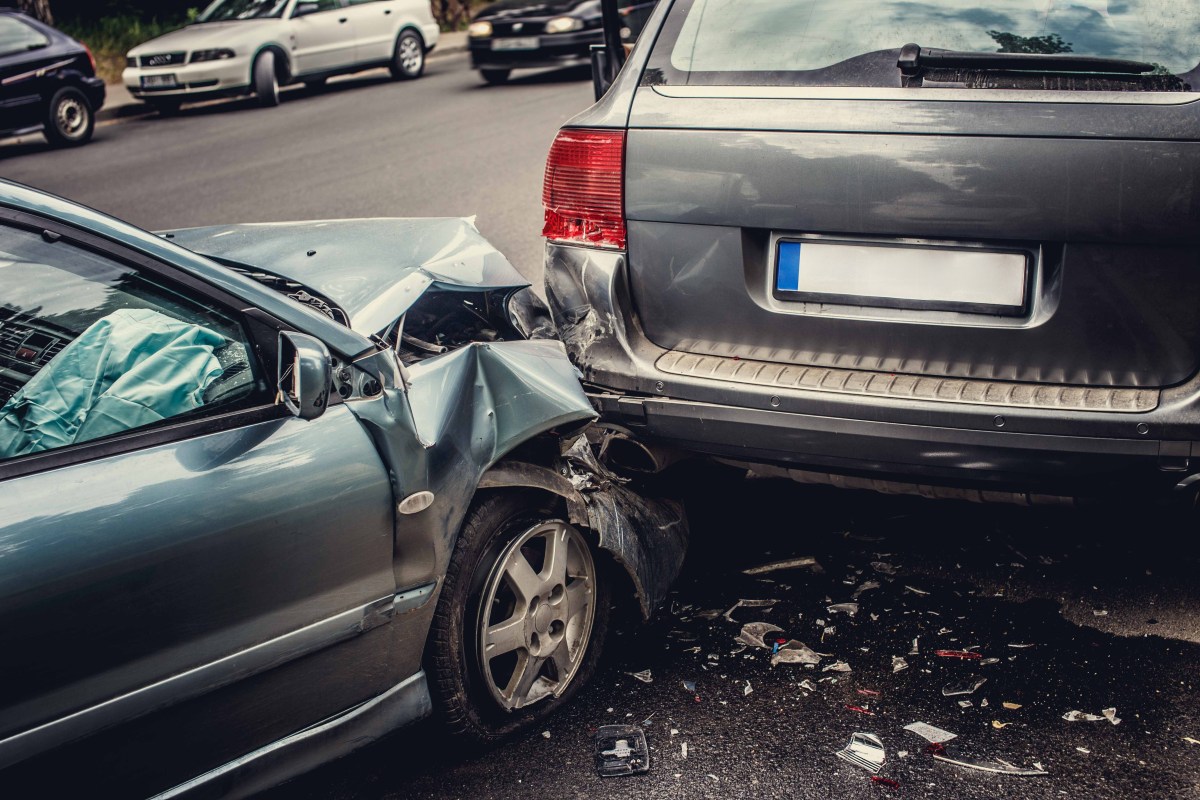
(942, 247)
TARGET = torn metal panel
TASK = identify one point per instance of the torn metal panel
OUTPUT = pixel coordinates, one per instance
(373, 270)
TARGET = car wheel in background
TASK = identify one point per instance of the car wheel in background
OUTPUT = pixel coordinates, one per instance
(408, 59)
(495, 76)
(69, 118)
(165, 107)
(520, 621)
(266, 79)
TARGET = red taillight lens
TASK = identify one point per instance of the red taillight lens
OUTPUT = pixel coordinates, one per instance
(91, 57)
(584, 193)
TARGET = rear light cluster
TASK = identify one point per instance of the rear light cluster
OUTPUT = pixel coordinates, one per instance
(584, 192)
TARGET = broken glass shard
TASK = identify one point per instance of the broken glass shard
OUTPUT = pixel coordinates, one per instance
(864, 750)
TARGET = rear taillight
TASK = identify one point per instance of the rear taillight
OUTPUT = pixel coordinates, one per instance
(584, 192)
(91, 57)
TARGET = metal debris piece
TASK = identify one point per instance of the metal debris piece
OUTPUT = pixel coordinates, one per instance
(791, 563)
(849, 609)
(865, 586)
(795, 653)
(966, 686)
(1080, 716)
(915, 590)
(864, 750)
(1020, 646)
(621, 750)
(898, 664)
(992, 660)
(837, 666)
(753, 632)
(883, 568)
(644, 676)
(930, 733)
(998, 766)
(766, 605)
(965, 704)
(966, 655)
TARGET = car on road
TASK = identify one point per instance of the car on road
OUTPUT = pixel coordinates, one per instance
(523, 34)
(238, 47)
(48, 82)
(947, 248)
(263, 505)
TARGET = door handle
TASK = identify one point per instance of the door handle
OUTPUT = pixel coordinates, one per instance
(342, 19)
(387, 11)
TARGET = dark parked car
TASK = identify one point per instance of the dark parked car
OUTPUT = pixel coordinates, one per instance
(519, 34)
(47, 82)
(947, 247)
(263, 505)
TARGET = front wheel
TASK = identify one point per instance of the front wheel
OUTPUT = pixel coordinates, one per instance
(408, 59)
(266, 80)
(520, 621)
(70, 120)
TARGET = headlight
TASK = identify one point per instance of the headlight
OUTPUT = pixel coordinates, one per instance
(564, 25)
(212, 55)
(480, 29)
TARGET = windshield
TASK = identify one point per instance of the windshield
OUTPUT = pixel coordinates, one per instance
(242, 9)
(775, 41)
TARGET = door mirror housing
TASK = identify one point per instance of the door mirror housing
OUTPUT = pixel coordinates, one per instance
(303, 9)
(305, 374)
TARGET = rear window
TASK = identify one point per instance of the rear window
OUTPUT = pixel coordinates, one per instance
(858, 42)
(17, 37)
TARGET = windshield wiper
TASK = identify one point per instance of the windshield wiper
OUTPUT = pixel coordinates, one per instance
(913, 59)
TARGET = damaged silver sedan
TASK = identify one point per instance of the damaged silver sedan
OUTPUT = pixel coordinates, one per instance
(268, 492)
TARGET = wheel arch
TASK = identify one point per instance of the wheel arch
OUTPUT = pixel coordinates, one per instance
(283, 62)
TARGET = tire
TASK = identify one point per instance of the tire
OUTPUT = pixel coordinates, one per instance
(465, 684)
(496, 77)
(70, 120)
(266, 80)
(165, 108)
(408, 57)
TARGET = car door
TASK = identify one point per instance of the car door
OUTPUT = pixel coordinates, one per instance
(376, 26)
(23, 57)
(322, 35)
(166, 531)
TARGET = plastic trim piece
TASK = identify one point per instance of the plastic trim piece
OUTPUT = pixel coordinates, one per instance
(909, 387)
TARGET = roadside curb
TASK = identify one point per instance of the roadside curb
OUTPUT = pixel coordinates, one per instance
(127, 109)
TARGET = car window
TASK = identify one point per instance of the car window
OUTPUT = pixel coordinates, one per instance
(855, 42)
(90, 347)
(17, 37)
(221, 10)
(325, 5)
(362, 2)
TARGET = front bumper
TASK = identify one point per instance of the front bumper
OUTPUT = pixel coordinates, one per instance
(208, 78)
(995, 447)
(556, 50)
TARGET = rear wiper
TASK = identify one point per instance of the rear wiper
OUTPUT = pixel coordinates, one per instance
(913, 58)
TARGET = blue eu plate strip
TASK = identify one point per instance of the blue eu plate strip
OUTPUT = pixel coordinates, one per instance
(787, 271)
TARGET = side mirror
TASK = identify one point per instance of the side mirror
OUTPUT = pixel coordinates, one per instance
(600, 74)
(302, 9)
(305, 374)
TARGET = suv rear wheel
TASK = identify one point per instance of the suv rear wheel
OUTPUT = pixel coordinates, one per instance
(520, 621)
(70, 120)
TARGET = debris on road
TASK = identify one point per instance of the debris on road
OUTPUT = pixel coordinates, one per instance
(864, 750)
(690, 686)
(966, 655)
(752, 633)
(898, 664)
(1109, 714)
(860, 710)
(794, 652)
(998, 725)
(683, 751)
(930, 733)
(837, 666)
(791, 563)
(621, 750)
(865, 586)
(545, 734)
(1020, 646)
(888, 782)
(915, 590)
(644, 676)
(1011, 706)
(747, 689)
(1190, 740)
(998, 766)
(765, 605)
(849, 609)
(966, 686)
(883, 568)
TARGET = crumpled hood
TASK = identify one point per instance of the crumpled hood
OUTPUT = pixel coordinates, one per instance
(373, 269)
(239, 35)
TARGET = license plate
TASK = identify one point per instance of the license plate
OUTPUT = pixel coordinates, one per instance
(516, 43)
(159, 82)
(899, 276)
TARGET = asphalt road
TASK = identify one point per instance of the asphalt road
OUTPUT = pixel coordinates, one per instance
(1081, 612)
(444, 145)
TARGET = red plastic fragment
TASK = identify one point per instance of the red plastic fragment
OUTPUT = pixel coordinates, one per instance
(868, 692)
(861, 710)
(964, 654)
(888, 782)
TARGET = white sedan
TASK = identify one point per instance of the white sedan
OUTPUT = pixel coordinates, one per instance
(255, 46)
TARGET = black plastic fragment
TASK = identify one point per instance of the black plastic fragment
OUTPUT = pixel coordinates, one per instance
(621, 750)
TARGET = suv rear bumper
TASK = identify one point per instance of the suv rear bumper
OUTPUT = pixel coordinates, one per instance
(1004, 447)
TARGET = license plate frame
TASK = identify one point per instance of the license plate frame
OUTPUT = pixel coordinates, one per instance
(516, 43)
(921, 276)
(166, 81)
